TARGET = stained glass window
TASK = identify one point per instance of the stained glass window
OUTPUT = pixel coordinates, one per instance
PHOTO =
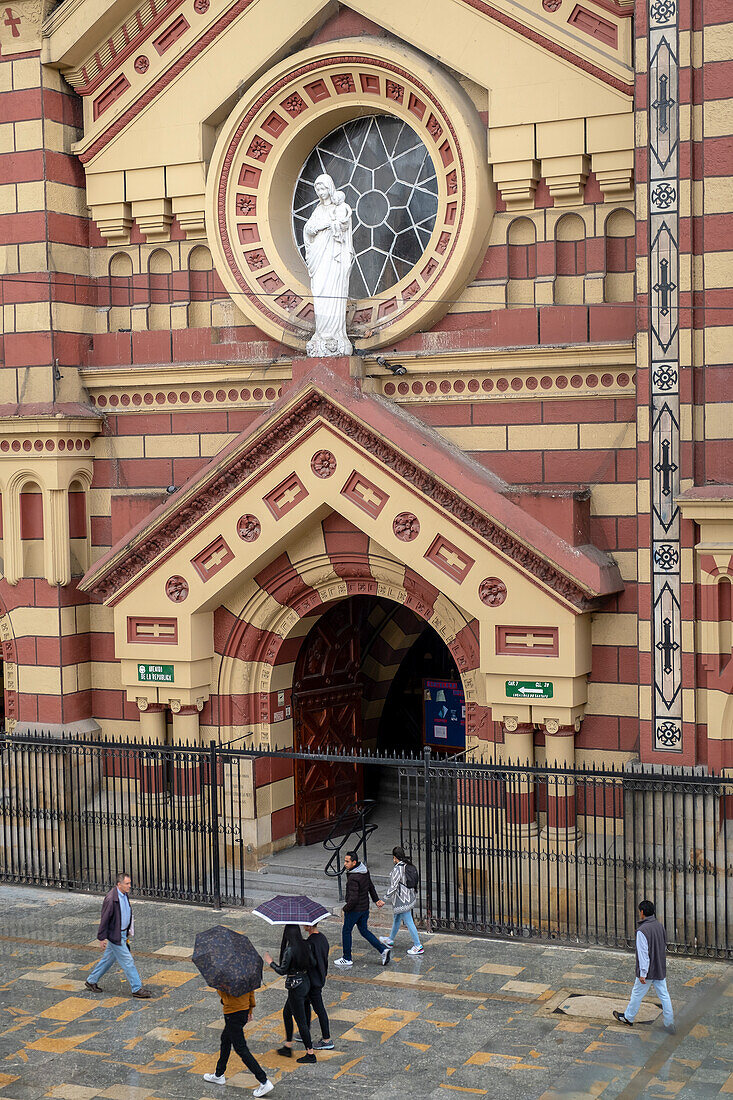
(387, 175)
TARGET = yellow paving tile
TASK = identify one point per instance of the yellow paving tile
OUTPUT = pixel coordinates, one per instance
(56, 966)
(525, 987)
(728, 1086)
(172, 977)
(388, 1021)
(126, 1092)
(170, 1034)
(664, 1088)
(175, 951)
(72, 1092)
(500, 968)
(463, 1088)
(71, 1008)
(56, 1044)
(348, 1067)
(7, 1079)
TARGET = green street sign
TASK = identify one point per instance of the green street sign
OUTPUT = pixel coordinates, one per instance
(529, 689)
(155, 674)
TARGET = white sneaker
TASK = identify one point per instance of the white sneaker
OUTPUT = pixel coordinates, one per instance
(263, 1089)
(386, 941)
(386, 956)
(344, 962)
(419, 950)
(216, 1080)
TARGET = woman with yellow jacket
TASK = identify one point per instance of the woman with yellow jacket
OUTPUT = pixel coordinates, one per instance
(237, 1012)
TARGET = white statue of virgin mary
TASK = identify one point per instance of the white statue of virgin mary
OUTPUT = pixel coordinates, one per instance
(329, 254)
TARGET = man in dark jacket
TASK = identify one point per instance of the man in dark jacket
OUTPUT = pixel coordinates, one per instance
(115, 928)
(651, 968)
(359, 888)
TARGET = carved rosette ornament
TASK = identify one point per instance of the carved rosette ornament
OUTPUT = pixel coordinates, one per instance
(248, 528)
(406, 526)
(260, 154)
(492, 592)
(323, 464)
(176, 589)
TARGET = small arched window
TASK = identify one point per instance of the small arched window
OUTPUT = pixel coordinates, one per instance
(160, 283)
(120, 292)
(522, 262)
(620, 256)
(200, 286)
(569, 260)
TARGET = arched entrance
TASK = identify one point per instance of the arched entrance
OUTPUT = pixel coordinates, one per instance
(370, 674)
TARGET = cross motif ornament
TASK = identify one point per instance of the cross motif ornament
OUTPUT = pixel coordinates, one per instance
(666, 468)
(156, 630)
(664, 287)
(455, 561)
(13, 21)
(214, 559)
(667, 646)
(366, 493)
(288, 496)
(530, 641)
(663, 104)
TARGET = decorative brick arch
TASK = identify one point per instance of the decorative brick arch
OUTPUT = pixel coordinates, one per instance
(289, 601)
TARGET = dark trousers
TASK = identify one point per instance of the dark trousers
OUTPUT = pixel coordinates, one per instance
(358, 920)
(295, 1007)
(315, 1001)
(233, 1036)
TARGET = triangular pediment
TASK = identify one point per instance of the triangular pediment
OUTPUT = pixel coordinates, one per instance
(328, 446)
(136, 74)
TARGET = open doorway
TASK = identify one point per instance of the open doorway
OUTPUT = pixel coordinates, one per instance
(370, 675)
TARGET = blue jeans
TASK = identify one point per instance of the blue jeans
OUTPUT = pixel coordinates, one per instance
(358, 920)
(409, 923)
(639, 992)
(117, 953)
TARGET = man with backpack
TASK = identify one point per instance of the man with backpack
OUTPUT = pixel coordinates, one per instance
(402, 892)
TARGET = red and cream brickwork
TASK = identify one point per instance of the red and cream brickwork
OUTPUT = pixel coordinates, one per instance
(180, 487)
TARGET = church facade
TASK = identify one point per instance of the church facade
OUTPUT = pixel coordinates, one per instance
(209, 535)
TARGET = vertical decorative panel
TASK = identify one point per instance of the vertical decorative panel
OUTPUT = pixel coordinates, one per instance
(664, 417)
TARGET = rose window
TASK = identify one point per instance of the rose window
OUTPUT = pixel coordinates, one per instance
(389, 181)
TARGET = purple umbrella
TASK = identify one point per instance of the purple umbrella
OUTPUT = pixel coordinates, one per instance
(291, 910)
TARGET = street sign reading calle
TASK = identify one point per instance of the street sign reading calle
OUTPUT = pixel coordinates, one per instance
(529, 689)
(155, 674)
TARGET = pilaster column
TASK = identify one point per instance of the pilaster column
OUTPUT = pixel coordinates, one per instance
(520, 787)
(560, 753)
(56, 548)
(185, 723)
(152, 721)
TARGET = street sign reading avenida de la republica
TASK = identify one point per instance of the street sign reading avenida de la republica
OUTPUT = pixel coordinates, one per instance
(155, 674)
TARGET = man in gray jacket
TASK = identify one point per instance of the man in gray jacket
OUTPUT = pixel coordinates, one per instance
(116, 927)
(651, 968)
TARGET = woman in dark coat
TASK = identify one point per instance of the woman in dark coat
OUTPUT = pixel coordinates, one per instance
(294, 963)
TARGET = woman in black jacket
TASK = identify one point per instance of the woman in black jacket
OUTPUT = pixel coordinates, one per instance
(294, 962)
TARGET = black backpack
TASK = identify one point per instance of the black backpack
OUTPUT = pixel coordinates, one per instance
(412, 876)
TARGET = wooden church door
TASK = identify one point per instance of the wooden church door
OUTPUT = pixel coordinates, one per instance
(327, 715)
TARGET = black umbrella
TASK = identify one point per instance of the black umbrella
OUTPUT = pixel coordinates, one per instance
(227, 961)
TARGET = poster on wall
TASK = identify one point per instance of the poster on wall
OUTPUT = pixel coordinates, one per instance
(444, 714)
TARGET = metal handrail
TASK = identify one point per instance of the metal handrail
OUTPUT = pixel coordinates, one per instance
(362, 810)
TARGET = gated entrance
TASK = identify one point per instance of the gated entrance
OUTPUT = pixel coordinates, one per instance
(546, 853)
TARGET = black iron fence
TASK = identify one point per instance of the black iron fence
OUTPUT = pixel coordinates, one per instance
(507, 851)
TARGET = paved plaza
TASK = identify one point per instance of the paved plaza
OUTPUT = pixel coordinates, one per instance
(472, 1017)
